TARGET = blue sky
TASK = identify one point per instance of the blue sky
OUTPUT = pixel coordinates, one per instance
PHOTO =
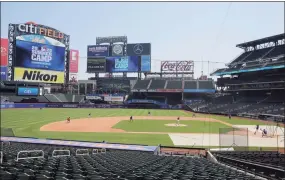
(177, 31)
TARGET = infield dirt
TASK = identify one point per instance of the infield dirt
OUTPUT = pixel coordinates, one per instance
(105, 124)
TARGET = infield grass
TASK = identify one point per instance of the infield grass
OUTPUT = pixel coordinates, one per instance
(160, 126)
(27, 123)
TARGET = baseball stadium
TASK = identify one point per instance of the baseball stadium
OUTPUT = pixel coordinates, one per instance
(158, 125)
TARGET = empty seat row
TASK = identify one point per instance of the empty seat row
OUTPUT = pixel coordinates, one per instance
(113, 165)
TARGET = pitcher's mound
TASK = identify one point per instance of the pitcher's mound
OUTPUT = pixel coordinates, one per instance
(176, 125)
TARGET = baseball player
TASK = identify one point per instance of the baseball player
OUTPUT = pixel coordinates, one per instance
(149, 113)
(178, 121)
(68, 120)
(89, 115)
(256, 129)
(131, 119)
(264, 132)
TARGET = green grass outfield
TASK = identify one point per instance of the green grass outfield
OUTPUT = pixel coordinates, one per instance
(27, 123)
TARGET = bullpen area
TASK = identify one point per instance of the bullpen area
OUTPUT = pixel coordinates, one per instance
(160, 127)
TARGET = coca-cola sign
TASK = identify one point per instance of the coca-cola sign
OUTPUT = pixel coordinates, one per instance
(179, 66)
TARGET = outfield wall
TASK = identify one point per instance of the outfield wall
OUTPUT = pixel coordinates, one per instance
(68, 105)
(58, 105)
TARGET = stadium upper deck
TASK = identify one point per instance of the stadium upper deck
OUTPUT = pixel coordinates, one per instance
(262, 54)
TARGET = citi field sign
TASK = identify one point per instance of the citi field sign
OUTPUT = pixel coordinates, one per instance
(32, 28)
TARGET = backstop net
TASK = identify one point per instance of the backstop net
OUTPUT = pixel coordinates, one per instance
(7, 132)
(236, 138)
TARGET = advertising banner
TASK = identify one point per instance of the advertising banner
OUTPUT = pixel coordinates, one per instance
(36, 75)
(39, 56)
(140, 101)
(122, 64)
(3, 73)
(97, 50)
(94, 97)
(169, 90)
(70, 105)
(54, 105)
(73, 78)
(73, 62)
(4, 52)
(145, 63)
(117, 50)
(114, 98)
(48, 48)
(29, 105)
(177, 66)
(199, 90)
(96, 65)
(40, 39)
(138, 49)
(111, 39)
(23, 91)
(38, 29)
(7, 105)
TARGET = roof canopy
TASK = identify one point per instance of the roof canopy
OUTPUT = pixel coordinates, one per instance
(261, 41)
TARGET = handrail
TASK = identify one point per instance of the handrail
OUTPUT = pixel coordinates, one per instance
(53, 152)
(76, 152)
(42, 156)
(103, 150)
(2, 143)
(211, 157)
(96, 151)
(251, 163)
(1, 160)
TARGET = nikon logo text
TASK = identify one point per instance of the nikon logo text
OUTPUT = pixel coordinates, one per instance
(38, 76)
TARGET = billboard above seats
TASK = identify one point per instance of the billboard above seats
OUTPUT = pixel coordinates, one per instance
(118, 56)
(37, 48)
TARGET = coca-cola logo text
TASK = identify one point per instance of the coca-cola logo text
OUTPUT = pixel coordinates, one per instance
(3, 51)
(181, 66)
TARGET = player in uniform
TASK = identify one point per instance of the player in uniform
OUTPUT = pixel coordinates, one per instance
(264, 132)
(68, 120)
(89, 115)
(256, 129)
(131, 119)
(149, 113)
(178, 121)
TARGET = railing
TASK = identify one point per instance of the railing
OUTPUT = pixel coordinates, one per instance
(149, 84)
(86, 152)
(210, 157)
(35, 157)
(267, 53)
(234, 59)
(54, 151)
(2, 143)
(261, 170)
(103, 150)
(95, 151)
(1, 157)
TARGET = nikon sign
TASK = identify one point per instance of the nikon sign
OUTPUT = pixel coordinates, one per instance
(36, 75)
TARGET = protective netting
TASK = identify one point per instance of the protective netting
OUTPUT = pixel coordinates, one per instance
(7, 132)
(236, 138)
